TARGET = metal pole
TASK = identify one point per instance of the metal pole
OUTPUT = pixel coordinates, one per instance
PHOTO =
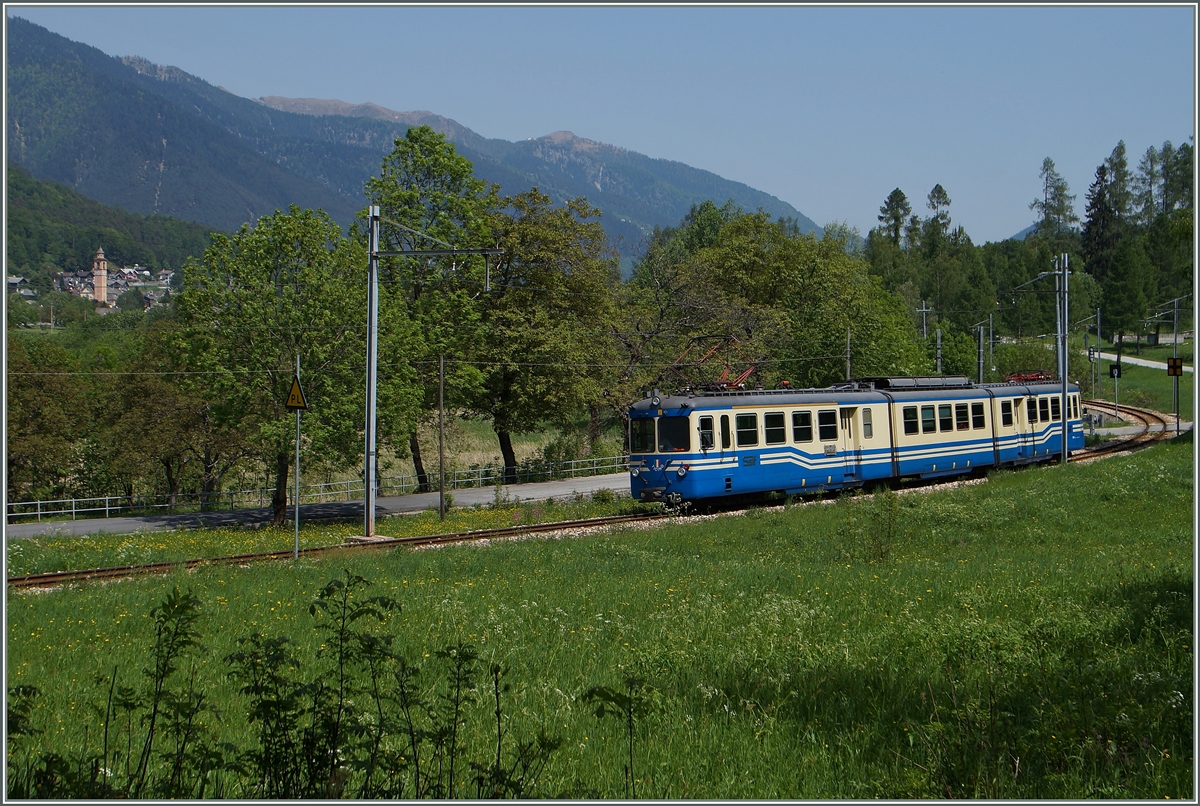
(991, 342)
(939, 351)
(847, 352)
(372, 361)
(1066, 419)
(1099, 360)
(980, 329)
(1175, 354)
(442, 436)
(924, 309)
(296, 496)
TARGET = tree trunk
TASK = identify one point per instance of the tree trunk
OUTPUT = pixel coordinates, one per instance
(418, 465)
(210, 480)
(510, 457)
(279, 499)
(174, 479)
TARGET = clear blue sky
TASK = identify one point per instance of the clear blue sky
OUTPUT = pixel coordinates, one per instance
(828, 108)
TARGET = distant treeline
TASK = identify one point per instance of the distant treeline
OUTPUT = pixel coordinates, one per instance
(188, 397)
(1132, 251)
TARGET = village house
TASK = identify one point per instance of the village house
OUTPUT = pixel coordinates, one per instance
(19, 285)
(105, 286)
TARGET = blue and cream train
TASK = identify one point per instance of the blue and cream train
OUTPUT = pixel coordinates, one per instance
(696, 445)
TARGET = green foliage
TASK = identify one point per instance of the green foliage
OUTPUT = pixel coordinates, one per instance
(425, 186)
(283, 289)
(132, 301)
(20, 312)
(45, 410)
(1006, 621)
(553, 293)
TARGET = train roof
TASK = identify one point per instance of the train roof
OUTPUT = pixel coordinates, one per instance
(862, 390)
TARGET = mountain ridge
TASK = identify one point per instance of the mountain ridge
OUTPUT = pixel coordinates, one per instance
(155, 139)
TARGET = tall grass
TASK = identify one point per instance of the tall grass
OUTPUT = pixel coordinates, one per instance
(1030, 637)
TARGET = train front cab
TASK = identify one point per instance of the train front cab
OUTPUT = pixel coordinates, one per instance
(661, 455)
(730, 447)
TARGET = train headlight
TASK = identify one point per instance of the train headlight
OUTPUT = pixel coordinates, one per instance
(682, 471)
(634, 470)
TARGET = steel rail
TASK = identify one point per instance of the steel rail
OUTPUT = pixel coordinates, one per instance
(1146, 437)
(54, 578)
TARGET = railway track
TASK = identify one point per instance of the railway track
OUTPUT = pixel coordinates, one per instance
(1155, 427)
(56, 578)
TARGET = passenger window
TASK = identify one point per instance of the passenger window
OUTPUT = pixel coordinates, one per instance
(910, 420)
(827, 428)
(641, 435)
(866, 414)
(1031, 409)
(725, 440)
(1016, 409)
(960, 416)
(747, 430)
(1006, 413)
(774, 428)
(1044, 408)
(706, 433)
(928, 421)
(977, 419)
(944, 420)
(802, 426)
(1055, 409)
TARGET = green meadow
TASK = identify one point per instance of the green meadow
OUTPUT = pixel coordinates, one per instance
(39, 555)
(1026, 637)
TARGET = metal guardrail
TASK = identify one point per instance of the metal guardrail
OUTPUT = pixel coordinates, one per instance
(115, 505)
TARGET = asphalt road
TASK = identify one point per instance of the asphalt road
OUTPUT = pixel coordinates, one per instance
(1142, 362)
(332, 511)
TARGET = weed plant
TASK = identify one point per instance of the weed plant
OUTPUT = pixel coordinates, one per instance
(1030, 637)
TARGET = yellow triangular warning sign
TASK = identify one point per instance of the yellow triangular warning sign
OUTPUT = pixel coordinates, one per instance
(295, 399)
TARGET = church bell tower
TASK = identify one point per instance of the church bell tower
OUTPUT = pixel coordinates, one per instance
(100, 277)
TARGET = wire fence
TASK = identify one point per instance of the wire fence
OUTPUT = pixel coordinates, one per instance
(228, 500)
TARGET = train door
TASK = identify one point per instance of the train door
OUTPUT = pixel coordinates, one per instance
(850, 445)
(1026, 420)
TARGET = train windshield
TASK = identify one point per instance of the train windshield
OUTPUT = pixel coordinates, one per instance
(641, 435)
(674, 435)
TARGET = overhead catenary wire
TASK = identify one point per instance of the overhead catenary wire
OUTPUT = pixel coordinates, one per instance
(426, 362)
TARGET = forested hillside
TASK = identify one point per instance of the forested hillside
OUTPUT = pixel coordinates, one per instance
(154, 139)
(77, 117)
(52, 228)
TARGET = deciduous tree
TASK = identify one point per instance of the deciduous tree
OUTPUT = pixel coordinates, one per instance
(426, 187)
(546, 318)
(290, 286)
